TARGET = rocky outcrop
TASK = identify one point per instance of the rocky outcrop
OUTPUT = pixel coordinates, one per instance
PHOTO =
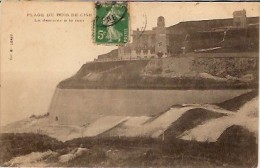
(189, 71)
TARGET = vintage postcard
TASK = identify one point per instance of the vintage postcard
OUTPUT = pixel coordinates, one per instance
(129, 84)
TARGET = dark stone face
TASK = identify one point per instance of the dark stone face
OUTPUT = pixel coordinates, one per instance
(160, 21)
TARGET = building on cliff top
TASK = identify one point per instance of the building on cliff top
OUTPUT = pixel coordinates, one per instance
(239, 18)
(218, 35)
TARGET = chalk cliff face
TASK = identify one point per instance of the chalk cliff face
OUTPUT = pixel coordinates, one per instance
(150, 87)
(189, 71)
(84, 106)
(184, 121)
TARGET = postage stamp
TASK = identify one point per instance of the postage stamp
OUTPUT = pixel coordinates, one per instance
(111, 25)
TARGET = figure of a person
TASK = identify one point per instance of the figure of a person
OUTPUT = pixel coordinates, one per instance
(109, 21)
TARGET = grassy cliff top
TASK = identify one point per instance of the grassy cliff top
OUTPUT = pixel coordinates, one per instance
(167, 73)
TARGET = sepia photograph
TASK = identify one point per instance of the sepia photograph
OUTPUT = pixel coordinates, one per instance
(129, 84)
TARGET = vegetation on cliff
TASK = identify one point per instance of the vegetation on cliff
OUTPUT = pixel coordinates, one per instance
(197, 71)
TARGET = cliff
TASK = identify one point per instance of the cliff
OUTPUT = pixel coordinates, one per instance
(189, 71)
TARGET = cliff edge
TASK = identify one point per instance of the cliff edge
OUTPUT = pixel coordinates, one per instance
(189, 71)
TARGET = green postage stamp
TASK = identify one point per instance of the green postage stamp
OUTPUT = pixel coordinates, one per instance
(111, 25)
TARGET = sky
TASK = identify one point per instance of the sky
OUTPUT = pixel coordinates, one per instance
(46, 53)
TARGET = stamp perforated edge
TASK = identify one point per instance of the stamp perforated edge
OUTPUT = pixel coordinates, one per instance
(94, 25)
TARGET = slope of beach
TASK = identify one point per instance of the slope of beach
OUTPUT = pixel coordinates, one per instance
(180, 136)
